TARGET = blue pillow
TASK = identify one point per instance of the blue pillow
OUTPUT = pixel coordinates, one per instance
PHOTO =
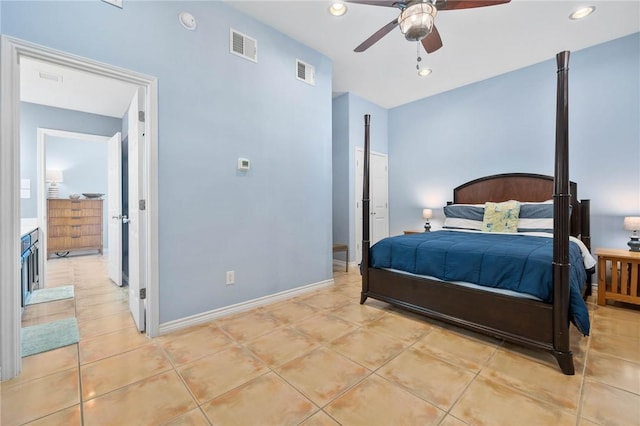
(536, 217)
(463, 216)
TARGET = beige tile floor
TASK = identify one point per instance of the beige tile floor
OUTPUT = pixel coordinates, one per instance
(317, 359)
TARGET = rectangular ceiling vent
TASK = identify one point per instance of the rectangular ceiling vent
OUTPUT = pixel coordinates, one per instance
(243, 45)
(51, 77)
(305, 72)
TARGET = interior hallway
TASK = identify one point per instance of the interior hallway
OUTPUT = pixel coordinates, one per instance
(317, 359)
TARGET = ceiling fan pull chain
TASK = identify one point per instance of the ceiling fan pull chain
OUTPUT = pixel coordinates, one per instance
(418, 58)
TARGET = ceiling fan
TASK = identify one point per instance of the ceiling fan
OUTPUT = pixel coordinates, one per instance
(416, 19)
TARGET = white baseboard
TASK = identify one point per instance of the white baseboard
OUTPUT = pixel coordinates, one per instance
(341, 264)
(192, 320)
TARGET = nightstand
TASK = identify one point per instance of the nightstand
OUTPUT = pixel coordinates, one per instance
(618, 275)
(412, 232)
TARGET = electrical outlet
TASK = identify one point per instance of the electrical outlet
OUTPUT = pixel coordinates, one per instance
(231, 277)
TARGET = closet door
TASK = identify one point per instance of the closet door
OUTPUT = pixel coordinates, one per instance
(379, 199)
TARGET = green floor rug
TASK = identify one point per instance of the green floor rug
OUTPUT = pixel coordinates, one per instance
(47, 336)
(50, 294)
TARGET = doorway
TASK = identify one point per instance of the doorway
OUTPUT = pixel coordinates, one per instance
(12, 50)
(379, 199)
(44, 138)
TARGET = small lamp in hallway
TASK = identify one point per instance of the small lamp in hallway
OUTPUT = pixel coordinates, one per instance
(54, 176)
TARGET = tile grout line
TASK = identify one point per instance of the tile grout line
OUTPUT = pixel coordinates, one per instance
(81, 393)
(475, 377)
(174, 367)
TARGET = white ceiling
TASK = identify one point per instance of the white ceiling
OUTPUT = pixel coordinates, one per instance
(478, 44)
(53, 85)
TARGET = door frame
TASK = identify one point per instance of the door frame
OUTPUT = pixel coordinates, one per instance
(114, 199)
(11, 49)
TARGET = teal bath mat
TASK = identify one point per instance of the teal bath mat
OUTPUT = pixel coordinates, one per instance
(50, 294)
(51, 335)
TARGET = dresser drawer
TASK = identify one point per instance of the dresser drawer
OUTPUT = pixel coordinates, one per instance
(75, 220)
(73, 212)
(74, 230)
(62, 203)
(74, 243)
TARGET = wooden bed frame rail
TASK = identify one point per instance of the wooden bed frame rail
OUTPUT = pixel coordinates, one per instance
(526, 322)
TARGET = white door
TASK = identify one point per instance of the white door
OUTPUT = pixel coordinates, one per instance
(136, 216)
(378, 196)
(114, 208)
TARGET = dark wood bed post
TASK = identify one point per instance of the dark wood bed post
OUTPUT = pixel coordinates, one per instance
(585, 223)
(364, 266)
(561, 199)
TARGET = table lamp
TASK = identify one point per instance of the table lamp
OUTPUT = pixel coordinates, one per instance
(54, 177)
(632, 223)
(426, 215)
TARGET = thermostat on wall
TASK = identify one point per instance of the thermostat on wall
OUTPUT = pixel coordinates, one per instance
(243, 164)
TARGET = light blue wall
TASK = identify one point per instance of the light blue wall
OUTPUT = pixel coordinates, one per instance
(348, 133)
(84, 164)
(379, 130)
(507, 124)
(80, 173)
(271, 225)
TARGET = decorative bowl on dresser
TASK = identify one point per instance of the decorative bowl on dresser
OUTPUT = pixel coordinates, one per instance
(73, 225)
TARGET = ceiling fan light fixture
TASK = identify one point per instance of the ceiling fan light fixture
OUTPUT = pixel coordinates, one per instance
(424, 72)
(416, 21)
(338, 9)
(583, 12)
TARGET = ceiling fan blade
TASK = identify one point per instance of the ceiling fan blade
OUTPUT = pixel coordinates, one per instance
(387, 3)
(432, 42)
(467, 4)
(376, 36)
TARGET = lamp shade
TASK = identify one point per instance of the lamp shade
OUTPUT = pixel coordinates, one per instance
(416, 21)
(54, 175)
(427, 213)
(632, 223)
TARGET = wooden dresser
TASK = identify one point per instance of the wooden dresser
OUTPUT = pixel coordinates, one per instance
(73, 225)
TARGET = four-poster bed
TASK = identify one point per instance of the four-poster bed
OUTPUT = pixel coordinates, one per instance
(542, 323)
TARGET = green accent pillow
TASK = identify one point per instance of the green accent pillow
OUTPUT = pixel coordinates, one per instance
(501, 217)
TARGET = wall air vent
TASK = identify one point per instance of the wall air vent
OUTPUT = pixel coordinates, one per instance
(305, 72)
(243, 45)
(51, 77)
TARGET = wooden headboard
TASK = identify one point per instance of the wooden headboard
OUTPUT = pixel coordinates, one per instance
(524, 187)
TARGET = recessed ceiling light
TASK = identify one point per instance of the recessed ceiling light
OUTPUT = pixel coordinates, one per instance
(583, 12)
(188, 21)
(424, 72)
(338, 9)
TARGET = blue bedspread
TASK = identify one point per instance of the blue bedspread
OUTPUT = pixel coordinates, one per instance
(517, 262)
